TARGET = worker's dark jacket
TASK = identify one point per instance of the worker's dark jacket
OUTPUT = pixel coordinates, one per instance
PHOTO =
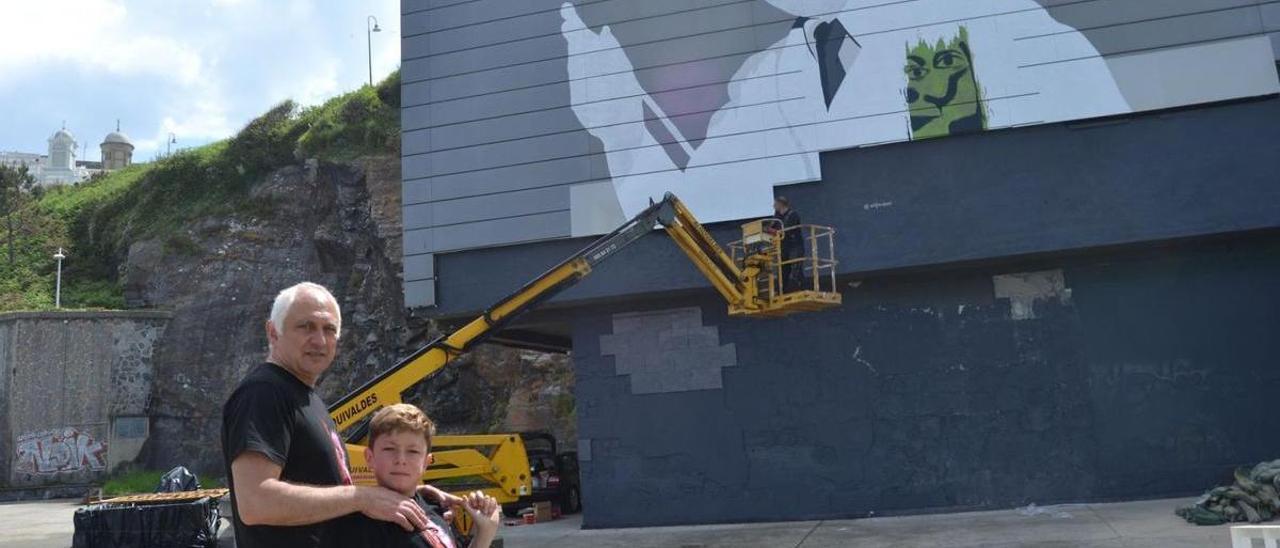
(792, 240)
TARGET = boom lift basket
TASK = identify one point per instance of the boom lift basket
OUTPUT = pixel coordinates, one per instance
(812, 284)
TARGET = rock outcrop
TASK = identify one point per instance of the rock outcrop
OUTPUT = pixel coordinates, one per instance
(339, 226)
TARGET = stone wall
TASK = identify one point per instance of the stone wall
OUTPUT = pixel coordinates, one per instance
(1143, 372)
(74, 393)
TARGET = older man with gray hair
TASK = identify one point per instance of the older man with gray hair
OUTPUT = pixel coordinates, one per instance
(285, 464)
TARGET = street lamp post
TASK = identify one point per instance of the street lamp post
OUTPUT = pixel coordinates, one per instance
(57, 291)
(368, 36)
(168, 146)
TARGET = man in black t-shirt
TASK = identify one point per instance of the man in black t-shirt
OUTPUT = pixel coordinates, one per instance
(285, 464)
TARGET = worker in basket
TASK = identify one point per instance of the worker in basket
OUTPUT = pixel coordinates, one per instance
(792, 244)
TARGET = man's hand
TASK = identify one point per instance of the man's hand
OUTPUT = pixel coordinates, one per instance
(444, 499)
(387, 505)
(486, 513)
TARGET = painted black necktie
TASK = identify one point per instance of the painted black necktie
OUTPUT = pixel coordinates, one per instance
(829, 37)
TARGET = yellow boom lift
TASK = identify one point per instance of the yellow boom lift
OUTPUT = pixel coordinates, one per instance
(749, 278)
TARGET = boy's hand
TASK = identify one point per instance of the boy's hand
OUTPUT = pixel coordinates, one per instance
(486, 513)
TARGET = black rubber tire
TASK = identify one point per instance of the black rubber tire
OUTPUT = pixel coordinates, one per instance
(572, 503)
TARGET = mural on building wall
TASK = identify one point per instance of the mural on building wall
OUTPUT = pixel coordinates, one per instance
(58, 451)
(835, 80)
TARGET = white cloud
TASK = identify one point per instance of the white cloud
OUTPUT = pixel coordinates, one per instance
(93, 34)
(198, 71)
(320, 85)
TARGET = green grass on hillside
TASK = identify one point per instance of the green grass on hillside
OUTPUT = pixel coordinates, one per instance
(96, 221)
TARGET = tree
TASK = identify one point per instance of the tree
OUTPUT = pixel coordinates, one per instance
(14, 183)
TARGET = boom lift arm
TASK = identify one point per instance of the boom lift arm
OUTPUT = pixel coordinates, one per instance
(747, 282)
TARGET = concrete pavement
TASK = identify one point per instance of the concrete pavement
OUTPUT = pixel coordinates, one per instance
(1140, 524)
(37, 524)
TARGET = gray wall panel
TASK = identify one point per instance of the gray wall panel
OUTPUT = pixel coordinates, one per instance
(415, 192)
(464, 84)
(470, 210)
(502, 54)
(409, 6)
(419, 267)
(419, 216)
(417, 93)
(1270, 14)
(539, 175)
(477, 14)
(420, 291)
(479, 36)
(1103, 13)
(540, 226)
(548, 99)
(1176, 30)
(542, 122)
(508, 104)
(510, 153)
(417, 242)
(413, 142)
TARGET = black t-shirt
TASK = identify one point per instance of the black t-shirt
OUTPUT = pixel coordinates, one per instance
(273, 413)
(358, 530)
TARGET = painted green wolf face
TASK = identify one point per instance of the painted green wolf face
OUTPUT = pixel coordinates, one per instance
(942, 93)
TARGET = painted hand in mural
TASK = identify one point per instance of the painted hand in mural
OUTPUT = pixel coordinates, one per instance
(604, 92)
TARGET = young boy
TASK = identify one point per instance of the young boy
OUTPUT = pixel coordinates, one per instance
(399, 452)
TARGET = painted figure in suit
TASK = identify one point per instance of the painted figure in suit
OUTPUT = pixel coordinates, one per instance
(848, 73)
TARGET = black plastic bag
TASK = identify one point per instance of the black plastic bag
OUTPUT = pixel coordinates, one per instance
(177, 525)
(178, 479)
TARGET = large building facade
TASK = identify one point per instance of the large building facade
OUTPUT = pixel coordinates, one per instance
(1056, 221)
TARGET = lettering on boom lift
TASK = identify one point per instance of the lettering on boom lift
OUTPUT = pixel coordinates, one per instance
(356, 407)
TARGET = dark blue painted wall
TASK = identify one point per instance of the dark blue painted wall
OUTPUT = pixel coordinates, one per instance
(996, 194)
(1154, 377)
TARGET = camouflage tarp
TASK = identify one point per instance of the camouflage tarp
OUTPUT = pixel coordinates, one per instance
(1253, 498)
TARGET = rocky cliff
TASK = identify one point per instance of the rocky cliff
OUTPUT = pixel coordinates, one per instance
(333, 224)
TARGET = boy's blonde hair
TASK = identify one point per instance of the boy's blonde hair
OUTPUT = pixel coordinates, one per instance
(401, 417)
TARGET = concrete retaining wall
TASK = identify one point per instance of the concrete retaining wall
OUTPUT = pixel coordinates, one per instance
(74, 393)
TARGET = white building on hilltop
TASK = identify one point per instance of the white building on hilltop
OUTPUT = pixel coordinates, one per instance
(117, 150)
(59, 165)
(61, 168)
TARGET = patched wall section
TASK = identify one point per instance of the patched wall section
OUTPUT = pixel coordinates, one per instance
(77, 387)
(667, 351)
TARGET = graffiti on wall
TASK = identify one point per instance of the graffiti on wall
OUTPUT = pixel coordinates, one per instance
(58, 451)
